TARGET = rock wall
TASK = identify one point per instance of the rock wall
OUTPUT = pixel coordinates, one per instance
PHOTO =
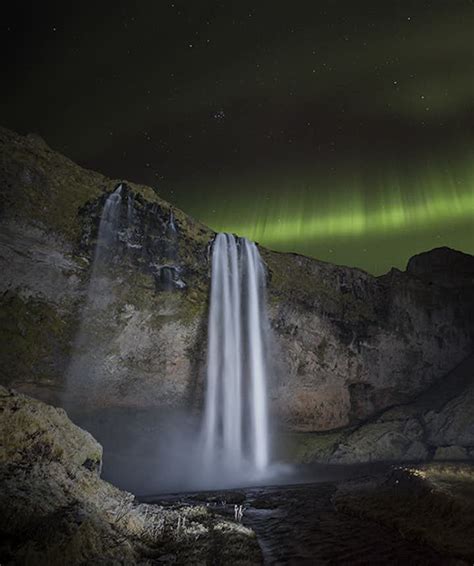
(354, 344)
(437, 425)
(346, 344)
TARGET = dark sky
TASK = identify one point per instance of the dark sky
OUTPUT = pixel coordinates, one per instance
(338, 129)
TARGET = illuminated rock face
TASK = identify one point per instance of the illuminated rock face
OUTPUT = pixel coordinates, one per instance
(57, 510)
(346, 344)
(353, 344)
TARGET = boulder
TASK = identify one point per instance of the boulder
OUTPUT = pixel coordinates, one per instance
(56, 510)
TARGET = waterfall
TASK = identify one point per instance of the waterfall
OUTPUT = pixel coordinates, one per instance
(235, 426)
(108, 228)
(98, 292)
(82, 374)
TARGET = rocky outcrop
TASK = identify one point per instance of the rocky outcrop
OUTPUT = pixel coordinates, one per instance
(56, 510)
(438, 425)
(143, 343)
(439, 265)
(347, 345)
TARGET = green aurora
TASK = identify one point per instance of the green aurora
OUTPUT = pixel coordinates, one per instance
(399, 219)
(337, 129)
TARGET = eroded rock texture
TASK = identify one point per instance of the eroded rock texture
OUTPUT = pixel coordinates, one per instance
(56, 510)
(438, 424)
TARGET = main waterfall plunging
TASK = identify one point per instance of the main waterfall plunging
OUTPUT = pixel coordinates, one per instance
(235, 431)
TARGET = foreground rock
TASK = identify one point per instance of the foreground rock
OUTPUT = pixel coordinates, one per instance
(433, 504)
(56, 510)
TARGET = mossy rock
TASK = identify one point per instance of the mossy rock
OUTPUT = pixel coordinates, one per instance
(36, 340)
(33, 431)
(308, 447)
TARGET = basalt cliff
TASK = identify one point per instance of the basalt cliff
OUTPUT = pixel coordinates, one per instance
(348, 349)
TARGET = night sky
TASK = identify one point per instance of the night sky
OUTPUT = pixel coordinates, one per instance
(338, 129)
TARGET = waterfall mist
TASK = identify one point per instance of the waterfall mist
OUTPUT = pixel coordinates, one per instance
(147, 449)
(82, 377)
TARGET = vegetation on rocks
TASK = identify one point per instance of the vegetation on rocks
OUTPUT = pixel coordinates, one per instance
(34, 338)
(56, 510)
(438, 425)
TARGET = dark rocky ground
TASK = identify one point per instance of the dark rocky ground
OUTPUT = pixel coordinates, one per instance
(56, 510)
(421, 515)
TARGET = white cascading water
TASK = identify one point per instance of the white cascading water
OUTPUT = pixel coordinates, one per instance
(81, 373)
(235, 427)
(108, 227)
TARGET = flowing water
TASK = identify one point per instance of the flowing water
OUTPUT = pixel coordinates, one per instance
(169, 273)
(82, 381)
(235, 424)
(108, 230)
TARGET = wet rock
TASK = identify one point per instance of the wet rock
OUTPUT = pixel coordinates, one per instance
(383, 442)
(438, 424)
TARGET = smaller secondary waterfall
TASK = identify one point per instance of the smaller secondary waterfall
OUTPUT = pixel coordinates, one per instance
(109, 227)
(83, 374)
(98, 293)
(235, 427)
(170, 272)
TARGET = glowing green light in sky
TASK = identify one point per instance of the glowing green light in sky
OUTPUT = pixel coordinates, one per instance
(373, 225)
(354, 220)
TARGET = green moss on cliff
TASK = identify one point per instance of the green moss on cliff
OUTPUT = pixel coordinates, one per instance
(34, 335)
(288, 277)
(42, 186)
(308, 447)
(313, 283)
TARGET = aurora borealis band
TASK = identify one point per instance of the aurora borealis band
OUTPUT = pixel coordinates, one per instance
(417, 213)
(340, 130)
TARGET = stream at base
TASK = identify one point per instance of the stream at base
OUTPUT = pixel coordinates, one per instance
(299, 524)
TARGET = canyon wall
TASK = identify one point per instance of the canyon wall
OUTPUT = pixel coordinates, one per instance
(347, 345)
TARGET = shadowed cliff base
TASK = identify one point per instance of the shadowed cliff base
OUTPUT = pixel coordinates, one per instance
(437, 425)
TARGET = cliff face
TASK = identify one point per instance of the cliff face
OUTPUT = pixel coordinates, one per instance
(437, 425)
(346, 344)
(355, 344)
